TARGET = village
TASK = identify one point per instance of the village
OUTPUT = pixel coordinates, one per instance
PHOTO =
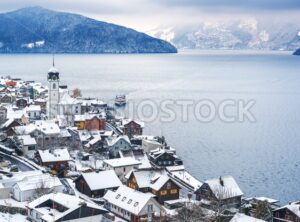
(65, 157)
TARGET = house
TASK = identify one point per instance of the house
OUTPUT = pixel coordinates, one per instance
(150, 143)
(46, 133)
(164, 157)
(115, 144)
(138, 154)
(33, 112)
(90, 121)
(96, 122)
(223, 192)
(239, 217)
(287, 213)
(95, 184)
(121, 165)
(156, 182)
(28, 144)
(55, 159)
(7, 99)
(3, 114)
(132, 127)
(21, 102)
(132, 205)
(251, 204)
(9, 125)
(94, 144)
(42, 103)
(33, 187)
(57, 207)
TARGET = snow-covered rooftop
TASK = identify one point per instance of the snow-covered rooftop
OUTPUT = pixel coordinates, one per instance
(155, 179)
(126, 121)
(47, 127)
(71, 203)
(293, 207)
(121, 162)
(224, 187)
(27, 140)
(54, 155)
(102, 180)
(239, 217)
(40, 181)
(128, 199)
(113, 140)
(33, 108)
(53, 70)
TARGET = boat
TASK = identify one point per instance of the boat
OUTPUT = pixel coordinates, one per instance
(120, 100)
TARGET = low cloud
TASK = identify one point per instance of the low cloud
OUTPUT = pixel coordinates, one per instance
(145, 15)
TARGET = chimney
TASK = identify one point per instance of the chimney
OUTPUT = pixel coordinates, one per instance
(221, 181)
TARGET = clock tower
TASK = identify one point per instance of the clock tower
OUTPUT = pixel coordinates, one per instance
(53, 92)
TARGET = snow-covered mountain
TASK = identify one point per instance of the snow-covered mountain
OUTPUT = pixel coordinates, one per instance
(39, 30)
(241, 34)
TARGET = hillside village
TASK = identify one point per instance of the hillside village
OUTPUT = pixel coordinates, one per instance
(65, 157)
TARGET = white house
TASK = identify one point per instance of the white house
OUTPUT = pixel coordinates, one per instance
(115, 144)
(132, 205)
(28, 145)
(33, 187)
(46, 133)
(121, 166)
(62, 207)
(33, 112)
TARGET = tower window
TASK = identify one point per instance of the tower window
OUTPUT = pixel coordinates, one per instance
(54, 86)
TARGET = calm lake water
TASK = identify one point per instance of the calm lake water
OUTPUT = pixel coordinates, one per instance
(263, 156)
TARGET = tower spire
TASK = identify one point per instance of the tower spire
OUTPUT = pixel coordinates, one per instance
(53, 62)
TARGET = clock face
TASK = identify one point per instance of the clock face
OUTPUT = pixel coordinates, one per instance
(54, 77)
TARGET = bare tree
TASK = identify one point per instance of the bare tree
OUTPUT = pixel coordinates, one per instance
(41, 189)
(263, 211)
(190, 213)
(76, 93)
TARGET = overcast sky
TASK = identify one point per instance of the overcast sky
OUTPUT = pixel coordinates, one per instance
(145, 15)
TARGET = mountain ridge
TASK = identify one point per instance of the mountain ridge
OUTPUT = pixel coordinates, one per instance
(40, 30)
(235, 34)
(297, 52)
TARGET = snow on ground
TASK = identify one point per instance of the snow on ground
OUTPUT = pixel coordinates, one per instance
(12, 202)
(12, 217)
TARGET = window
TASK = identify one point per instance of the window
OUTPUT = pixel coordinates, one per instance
(124, 198)
(150, 208)
(136, 204)
(54, 86)
(174, 191)
(129, 201)
(168, 185)
(118, 196)
(163, 192)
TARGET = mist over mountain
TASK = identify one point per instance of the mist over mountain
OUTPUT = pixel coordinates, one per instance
(39, 30)
(240, 34)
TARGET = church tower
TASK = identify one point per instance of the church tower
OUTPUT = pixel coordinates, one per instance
(53, 92)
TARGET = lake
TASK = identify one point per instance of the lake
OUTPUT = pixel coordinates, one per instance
(263, 156)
